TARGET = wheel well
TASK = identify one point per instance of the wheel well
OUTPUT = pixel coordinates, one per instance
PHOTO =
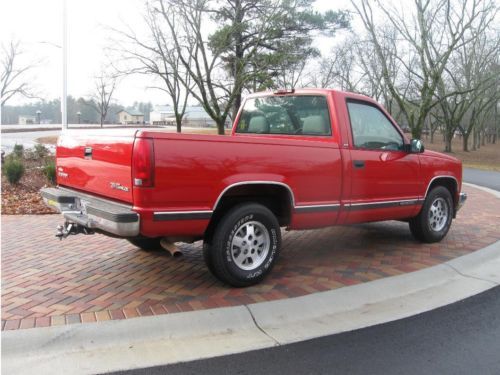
(449, 183)
(276, 198)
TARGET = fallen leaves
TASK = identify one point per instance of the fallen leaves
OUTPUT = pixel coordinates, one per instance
(24, 198)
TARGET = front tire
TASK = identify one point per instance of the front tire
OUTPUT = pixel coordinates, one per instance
(434, 220)
(245, 245)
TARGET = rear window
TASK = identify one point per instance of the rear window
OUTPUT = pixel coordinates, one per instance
(292, 115)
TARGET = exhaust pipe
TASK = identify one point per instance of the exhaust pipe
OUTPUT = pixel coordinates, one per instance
(170, 247)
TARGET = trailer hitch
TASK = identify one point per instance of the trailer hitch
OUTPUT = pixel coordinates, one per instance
(70, 228)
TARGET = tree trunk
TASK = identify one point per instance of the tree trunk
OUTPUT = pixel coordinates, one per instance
(236, 106)
(447, 141)
(433, 132)
(178, 122)
(220, 127)
(237, 68)
(465, 140)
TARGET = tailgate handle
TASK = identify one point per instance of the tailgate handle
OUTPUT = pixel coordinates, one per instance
(88, 152)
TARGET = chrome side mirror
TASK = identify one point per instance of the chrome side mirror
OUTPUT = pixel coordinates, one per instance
(416, 146)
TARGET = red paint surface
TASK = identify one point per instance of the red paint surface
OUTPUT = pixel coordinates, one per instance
(191, 171)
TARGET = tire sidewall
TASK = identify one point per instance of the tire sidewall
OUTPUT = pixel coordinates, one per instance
(229, 227)
(438, 192)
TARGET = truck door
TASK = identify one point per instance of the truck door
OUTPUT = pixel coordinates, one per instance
(384, 177)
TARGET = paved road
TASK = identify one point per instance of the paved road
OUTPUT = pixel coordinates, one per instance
(485, 178)
(27, 139)
(462, 338)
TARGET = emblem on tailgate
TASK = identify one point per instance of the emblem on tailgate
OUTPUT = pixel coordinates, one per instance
(117, 186)
(61, 173)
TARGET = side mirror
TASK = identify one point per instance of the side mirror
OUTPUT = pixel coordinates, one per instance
(416, 146)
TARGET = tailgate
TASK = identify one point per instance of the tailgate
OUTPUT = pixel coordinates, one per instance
(97, 161)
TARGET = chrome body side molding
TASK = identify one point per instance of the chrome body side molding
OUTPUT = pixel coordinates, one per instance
(292, 197)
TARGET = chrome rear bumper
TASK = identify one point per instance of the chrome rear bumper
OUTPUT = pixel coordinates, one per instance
(93, 213)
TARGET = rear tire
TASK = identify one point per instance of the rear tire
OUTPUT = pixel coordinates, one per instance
(245, 245)
(145, 243)
(434, 220)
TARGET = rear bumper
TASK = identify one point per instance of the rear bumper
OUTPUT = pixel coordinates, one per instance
(93, 213)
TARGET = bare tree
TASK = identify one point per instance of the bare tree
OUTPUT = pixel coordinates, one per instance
(473, 79)
(14, 78)
(293, 74)
(215, 92)
(156, 56)
(429, 36)
(340, 68)
(251, 45)
(100, 99)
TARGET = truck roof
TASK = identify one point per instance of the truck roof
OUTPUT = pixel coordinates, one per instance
(307, 91)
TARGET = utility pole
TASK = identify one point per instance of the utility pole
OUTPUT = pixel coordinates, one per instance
(64, 111)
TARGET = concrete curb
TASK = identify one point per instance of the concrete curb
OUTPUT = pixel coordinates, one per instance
(164, 339)
(483, 188)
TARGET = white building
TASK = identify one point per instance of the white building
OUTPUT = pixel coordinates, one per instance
(27, 120)
(162, 115)
(130, 117)
(194, 116)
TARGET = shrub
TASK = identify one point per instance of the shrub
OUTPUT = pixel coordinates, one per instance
(50, 171)
(18, 151)
(29, 154)
(13, 169)
(40, 151)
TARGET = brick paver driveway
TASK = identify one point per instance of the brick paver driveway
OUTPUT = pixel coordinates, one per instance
(94, 278)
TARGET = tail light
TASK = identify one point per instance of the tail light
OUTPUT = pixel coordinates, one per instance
(143, 162)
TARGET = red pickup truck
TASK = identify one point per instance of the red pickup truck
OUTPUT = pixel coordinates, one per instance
(299, 159)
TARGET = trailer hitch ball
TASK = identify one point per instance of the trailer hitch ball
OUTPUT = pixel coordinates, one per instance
(68, 228)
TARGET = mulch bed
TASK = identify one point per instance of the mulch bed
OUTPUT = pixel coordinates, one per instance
(24, 198)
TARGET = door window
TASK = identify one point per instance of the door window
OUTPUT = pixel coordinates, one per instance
(371, 129)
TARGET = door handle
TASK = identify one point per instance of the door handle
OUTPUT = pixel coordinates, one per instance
(87, 153)
(358, 163)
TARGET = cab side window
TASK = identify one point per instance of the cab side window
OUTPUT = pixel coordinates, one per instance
(371, 129)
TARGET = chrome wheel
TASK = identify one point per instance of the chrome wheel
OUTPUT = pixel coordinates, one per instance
(438, 214)
(250, 245)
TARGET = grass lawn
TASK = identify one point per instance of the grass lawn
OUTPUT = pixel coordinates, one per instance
(487, 157)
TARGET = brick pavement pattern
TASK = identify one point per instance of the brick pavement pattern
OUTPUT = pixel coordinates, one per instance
(95, 278)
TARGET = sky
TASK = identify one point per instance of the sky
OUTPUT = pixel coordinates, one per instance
(38, 25)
